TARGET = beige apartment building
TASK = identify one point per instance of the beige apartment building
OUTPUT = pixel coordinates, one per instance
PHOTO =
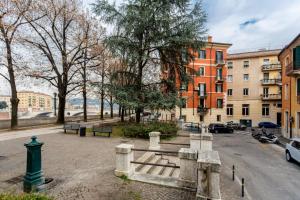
(34, 101)
(254, 87)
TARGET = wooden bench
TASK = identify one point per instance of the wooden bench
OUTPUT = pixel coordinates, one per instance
(73, 127)
(107, 130)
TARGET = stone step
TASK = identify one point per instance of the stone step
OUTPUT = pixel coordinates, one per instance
(145, 169)
(167, 172)
(176, 173)
(146, 157)
(157, 170)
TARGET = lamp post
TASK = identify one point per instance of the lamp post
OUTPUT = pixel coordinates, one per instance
(181, 89)
(54, 103)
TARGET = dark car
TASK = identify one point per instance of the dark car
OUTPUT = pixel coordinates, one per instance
(219, 128)
(267, 125)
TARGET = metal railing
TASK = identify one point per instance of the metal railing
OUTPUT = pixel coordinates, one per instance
(271, 81)
(271, 96)
(202, 109)
(269, 67)
(292, 68)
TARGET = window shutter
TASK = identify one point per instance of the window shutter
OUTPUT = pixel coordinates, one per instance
(205, 88)
(296, 57)
(298, 87)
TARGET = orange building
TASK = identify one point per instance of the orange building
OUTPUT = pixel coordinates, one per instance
(204, 97)
(290, 60)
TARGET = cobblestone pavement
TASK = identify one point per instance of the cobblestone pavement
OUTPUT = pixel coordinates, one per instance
(82, 168)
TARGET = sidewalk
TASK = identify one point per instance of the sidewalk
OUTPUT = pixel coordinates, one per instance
(10, 135)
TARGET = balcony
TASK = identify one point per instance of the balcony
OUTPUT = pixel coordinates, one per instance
(202, 110)
(271, 81)
(220, 62)
(219, 79)
(271, 67)
(293, 69)
(271, 97)
(202, 94)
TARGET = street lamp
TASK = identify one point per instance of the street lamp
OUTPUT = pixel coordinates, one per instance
(181, 89)
(54, 103)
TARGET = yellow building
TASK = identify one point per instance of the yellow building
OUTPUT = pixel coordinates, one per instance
(290, 60)
(254, 87)
(34, 101)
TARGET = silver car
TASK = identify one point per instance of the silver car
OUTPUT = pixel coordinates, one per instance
(292, 150)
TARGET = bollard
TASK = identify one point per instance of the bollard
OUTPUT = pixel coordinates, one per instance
(233, 172)
(243, 185)
(34, 179)
(154, 140)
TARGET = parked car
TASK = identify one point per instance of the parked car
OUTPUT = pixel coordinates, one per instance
(267, 125)
(219, 128)
(236, 125)
(292, 150)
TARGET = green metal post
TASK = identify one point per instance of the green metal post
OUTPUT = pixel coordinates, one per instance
(34, 179)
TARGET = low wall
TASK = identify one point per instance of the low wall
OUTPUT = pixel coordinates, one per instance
(5, 124)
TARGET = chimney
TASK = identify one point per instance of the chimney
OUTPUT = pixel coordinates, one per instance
(209, 38)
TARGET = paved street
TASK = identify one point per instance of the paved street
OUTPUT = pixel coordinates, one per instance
(268, 176)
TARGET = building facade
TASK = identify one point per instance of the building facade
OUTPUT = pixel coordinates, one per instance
(290, 60)
(254, 87)
(204, 96)
(5, 113)
(34, 102)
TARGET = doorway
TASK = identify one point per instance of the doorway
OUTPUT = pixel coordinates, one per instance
(279, 118)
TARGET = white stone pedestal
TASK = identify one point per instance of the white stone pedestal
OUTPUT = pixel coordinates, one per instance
(154, 140)
(124, 155)
(188, 168)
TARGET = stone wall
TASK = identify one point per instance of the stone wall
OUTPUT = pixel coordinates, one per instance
(5, 124)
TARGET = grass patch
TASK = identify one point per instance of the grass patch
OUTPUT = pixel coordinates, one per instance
(125, 178)
(24, 197)
(134, 195)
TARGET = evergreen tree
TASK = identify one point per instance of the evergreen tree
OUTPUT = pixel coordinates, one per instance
(152, 33)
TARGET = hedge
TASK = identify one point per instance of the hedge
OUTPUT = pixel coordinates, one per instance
(143, 130)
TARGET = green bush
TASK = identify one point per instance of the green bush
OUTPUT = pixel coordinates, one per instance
(24, 197)
(142, 130)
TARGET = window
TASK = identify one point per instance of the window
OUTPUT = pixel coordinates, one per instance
(279, 105)
(246, 77)
(266, 92)
(230, 65)
(246, 91)
(201, 71)
(202, 54)
(296, 145)
(246, 63)
(265, 110)
(218, 118)
(298, 87)
(219, 56)
(229, 78)
(219, 103)
(202, 103)
(202, 89)
(229, 109)
(266, 61)
(286, 90)
(219, 87)
(219, 74)
(229, 92)
(201, 118)
(245, 109)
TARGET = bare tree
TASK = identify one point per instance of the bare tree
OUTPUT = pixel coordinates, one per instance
(58, 36)
(11, 19)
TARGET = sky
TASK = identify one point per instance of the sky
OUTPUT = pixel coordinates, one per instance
(248, 25)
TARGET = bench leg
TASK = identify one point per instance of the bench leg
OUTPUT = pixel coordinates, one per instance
(65, 130)
(94, 133)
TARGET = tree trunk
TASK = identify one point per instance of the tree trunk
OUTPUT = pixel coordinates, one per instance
(119, 111)
(138, 112)
(84, 103)
(61, 109)
(122, 114)
(14, 98)
(102, 104)
(111, 107)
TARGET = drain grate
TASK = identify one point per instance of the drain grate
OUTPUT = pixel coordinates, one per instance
(15, 180)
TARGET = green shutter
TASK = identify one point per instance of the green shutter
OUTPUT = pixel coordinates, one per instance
(204, 88)
(298, 87)
(296, 57)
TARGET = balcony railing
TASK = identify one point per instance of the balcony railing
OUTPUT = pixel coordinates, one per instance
(293, 69)
(220, 62)
(269, 97)
(202, 110)
(271, 82)
(270, 67)
(219, 78)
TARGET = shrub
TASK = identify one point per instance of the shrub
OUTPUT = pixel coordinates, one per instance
(142, 130)
(24, 197)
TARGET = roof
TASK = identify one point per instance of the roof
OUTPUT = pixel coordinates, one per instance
(25, 91)
(219, 43)
(254, 54)
(287, 46)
